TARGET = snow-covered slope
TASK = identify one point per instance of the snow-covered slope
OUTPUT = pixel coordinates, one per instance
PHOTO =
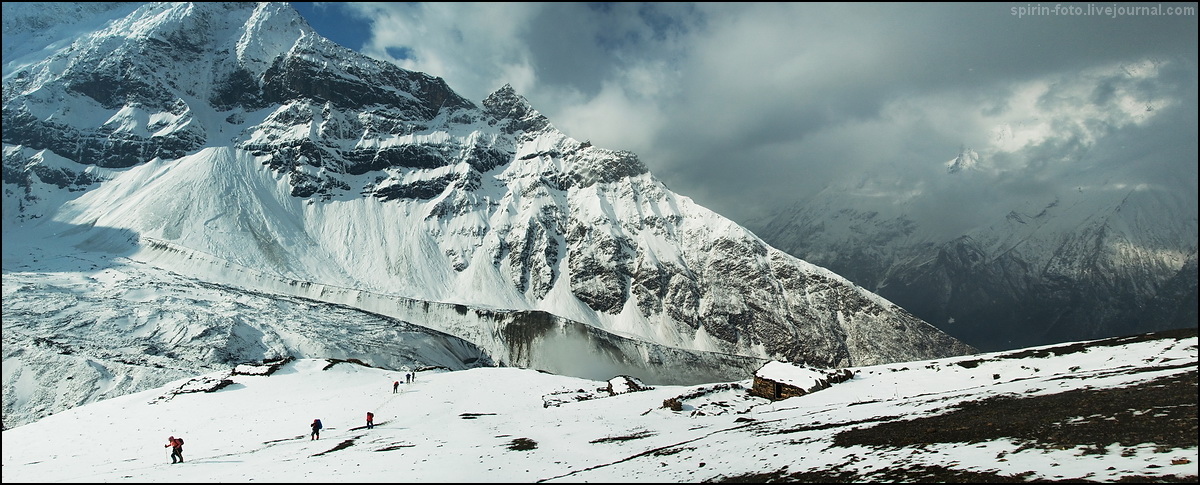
(231, 144)
(1104, 411)
(34, 30)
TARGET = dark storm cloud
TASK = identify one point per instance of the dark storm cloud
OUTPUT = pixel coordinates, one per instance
(870, 97)
(578, 45)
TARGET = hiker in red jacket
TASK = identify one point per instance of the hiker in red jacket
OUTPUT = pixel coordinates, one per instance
(177, 449)
(370, 420)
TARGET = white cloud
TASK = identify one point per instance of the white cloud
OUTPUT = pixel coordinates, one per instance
(475, 47)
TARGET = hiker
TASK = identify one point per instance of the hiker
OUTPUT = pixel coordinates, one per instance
(370, 420)
(316, 430)
(176, 445)
(408, 378)
(395, 387)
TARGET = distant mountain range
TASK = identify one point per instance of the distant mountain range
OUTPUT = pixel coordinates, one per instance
(1102, 261)
(183, 179)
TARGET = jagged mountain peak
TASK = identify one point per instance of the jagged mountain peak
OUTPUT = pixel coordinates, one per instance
(231, 55)
(506, 103)
(514, 111)
(167, 79)
(192, 38)
(505, 92)
(967, 159)
(257, 31)
(578, 163)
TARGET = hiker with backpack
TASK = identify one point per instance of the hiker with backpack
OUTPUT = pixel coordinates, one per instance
(395, 387)
(370, 420)
(316, 430)
(176, 445)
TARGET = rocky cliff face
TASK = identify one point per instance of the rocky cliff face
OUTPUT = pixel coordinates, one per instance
(236, 132)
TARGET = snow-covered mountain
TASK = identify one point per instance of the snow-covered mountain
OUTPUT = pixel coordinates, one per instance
(1110, 411)
(1092, 262)
(154, 149)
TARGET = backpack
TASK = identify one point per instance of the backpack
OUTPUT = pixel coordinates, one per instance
(317, 422)
(179, 441)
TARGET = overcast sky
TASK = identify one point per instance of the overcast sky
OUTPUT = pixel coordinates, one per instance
(744, 106)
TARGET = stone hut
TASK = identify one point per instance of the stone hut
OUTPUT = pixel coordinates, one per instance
(780, 380)
(624, 384)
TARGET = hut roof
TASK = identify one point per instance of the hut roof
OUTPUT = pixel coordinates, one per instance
(790, 374)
